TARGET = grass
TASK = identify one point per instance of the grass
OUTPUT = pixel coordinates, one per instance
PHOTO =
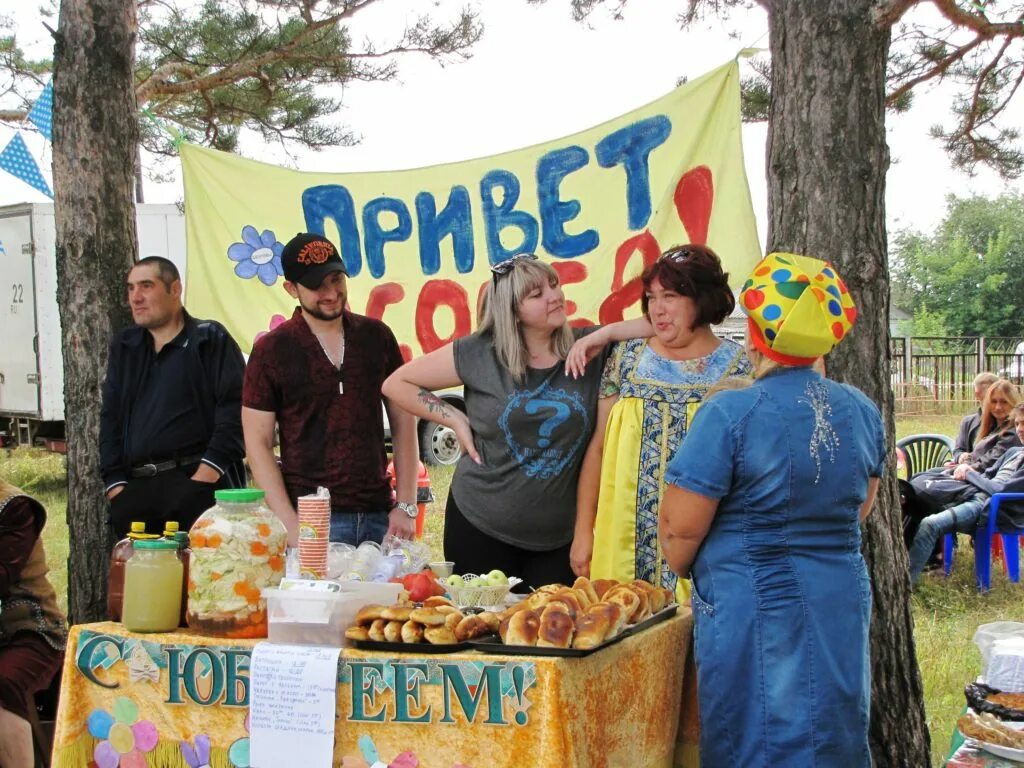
(946, 611)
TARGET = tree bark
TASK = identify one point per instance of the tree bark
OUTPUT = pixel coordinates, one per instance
(94, 139)
(827, 160)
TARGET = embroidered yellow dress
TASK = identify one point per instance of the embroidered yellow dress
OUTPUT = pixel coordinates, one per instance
(657, 400)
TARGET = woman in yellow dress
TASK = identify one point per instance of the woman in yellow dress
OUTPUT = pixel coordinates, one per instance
(649, 394)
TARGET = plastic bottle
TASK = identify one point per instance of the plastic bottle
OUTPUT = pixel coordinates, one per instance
(115, 576)
(172, 533)
(152, 587)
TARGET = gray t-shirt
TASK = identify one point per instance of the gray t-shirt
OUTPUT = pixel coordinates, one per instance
(531, 439)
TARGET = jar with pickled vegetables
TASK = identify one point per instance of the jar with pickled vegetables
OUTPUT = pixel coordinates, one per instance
(238, 548)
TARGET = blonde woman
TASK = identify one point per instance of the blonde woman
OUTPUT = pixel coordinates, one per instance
(529, 415)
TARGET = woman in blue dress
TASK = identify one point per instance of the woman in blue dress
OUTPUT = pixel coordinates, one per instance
(763, 511)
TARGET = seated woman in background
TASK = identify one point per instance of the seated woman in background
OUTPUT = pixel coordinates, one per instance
(964, 515)
(929, 492)
(971, 423)
(650, 391)
(32, 628)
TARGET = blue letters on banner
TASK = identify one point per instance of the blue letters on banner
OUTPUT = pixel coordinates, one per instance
(334, 202)
(499, 216)
(376, 236)
(631, 146)
(455, 219)
(551, 169)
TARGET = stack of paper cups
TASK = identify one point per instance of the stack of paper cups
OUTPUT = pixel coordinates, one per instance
(314, 533)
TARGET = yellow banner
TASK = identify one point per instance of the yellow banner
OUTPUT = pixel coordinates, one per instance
(418, 244)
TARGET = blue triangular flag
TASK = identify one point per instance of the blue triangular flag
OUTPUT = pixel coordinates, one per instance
(16, 160)
(41, 114)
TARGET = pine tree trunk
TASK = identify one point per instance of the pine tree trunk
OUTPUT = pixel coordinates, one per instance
(827, 160)
(94, 140)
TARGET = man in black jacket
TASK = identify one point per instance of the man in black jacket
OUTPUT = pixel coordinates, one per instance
(170, 425)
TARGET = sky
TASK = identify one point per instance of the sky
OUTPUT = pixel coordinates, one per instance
(536, 76)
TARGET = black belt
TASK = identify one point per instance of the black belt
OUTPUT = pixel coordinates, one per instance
(155, 468)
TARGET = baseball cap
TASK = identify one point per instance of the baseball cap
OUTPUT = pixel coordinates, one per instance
(308, 258)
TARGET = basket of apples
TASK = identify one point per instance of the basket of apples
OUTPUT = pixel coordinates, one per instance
(472, 591)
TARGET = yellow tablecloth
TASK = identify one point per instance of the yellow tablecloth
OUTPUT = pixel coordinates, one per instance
(131, 700)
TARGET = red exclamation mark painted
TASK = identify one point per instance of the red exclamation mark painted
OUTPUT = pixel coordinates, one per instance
(694, 197)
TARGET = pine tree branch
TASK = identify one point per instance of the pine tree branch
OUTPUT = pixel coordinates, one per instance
(938, 70)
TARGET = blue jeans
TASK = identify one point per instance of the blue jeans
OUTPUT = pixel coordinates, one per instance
(963, 518)
(352, 527)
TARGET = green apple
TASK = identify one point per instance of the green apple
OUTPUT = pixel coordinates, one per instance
(479, 581)
(496, 578)
(455, 581)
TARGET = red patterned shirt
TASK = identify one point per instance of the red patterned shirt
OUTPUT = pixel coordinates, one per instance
(327, 437)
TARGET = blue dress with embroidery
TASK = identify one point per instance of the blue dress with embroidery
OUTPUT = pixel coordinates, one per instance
(781, 598)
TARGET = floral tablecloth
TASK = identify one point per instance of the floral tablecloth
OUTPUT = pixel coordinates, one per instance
(178, 700)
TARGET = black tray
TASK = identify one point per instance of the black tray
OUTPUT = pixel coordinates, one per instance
(493, 644)
(977, 698)
(422, 647)
(664, 614)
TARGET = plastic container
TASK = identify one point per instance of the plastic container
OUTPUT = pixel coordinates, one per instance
(238, 549)
(152, 587)
(320, 617)
(115, 576)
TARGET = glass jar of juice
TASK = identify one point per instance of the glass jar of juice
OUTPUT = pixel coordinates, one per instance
(152, 587)
(115, 576)
(238, 548)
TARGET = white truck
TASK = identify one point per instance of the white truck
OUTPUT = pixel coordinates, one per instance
(31, 364)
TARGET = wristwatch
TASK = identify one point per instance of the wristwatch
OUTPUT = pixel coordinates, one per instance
(409, 508)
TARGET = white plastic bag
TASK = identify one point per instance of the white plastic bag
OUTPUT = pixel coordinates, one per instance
(1002, 651)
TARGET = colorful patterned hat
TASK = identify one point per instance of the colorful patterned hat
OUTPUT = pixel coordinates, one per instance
(798, 308)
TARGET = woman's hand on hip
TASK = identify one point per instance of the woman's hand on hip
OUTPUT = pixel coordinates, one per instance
(464, 432)
(581, 553)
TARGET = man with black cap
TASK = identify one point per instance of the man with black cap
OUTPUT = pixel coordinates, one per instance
(317, 377)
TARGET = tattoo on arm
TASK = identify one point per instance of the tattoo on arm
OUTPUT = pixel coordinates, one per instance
(434, 404)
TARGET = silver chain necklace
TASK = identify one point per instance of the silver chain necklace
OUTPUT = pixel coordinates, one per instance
(341, 359)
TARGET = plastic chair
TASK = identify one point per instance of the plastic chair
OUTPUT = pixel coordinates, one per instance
(923, 452)
(983, 545)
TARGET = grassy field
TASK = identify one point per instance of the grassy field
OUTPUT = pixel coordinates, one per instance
(946, 611)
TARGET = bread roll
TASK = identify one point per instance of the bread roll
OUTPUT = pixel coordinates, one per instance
(357, 633)
(439, 636)
(568, 606)
(470, 627)
(491, 620)
(376, 630)
(602, 585)
(657, 598)
(451, 620)
(591, 630)
(428, 617)
(393, 631)
(368, 613)
(412, 632)
(583, 584)
(644, 611)
(503, 628)
(571, 599)
(625, 597)
(522, 628)
(616, 617)
(556, 629)
(396, 613)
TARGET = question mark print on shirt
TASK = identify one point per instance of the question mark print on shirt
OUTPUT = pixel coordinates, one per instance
(552, 422)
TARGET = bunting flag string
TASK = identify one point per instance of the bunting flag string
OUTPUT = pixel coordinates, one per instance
(17, 161)
(41, 114)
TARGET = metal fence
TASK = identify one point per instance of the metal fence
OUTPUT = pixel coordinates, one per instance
(935, 374)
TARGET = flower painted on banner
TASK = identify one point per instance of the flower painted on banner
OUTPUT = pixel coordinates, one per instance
(238, 752)
(275, 321)
(197, 754)
(259, 255)
(124, 738)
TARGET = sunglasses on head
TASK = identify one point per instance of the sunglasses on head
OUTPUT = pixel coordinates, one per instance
(504, 267)
(677, 255)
